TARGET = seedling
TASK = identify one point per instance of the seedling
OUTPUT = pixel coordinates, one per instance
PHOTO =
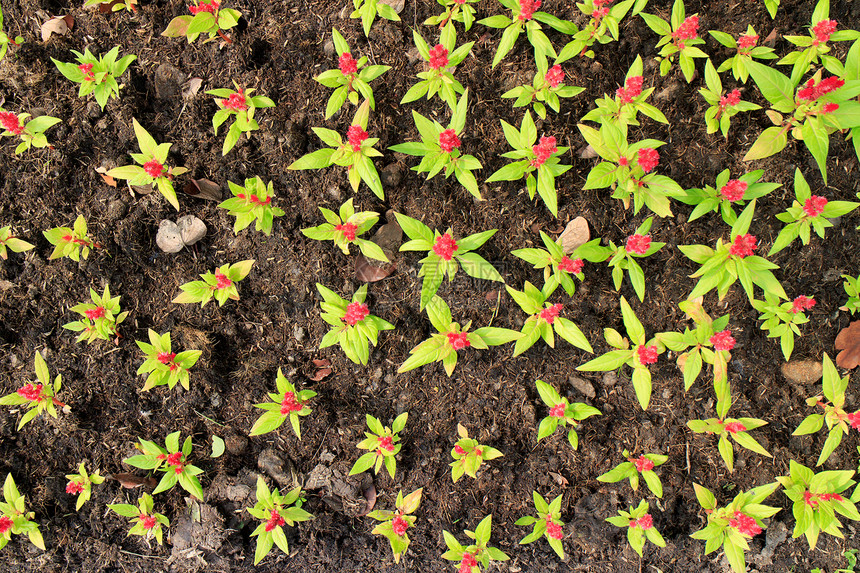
(602, 26)
(206, 18)
(638, 245)
(746, 51)
(383, 443)
(276, 511)
(81, 484)
(852, 289)
(814, 47)
(147, 523)
(14, 517)
(629, 101)
(40, 397)
(469, 455)
(782, 320)
(287, 402)
(9, 242)
(242, 105)
(725, 194)
(252, 203)
(220, 285)
(545, 90)
(679, 36)
(112, 5)
(544, 320)
(631, 470)
(562, 413)
(353, 328)
(455, 10)
(97, 76)
(5, 39)
(32, 133)
(560, 267)
(367, 11)
(547, 524)
(100, 317)
(396, 523)
(344, 228)
(163, 366)
(73, 243)
(173, 461)
(524, 16)
(723, 106)
(476, 553)
(440, 58)
(640, 526)
(735, 428)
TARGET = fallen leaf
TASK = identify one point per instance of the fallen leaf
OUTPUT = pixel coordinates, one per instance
(57, 25)
(321, 362)
(131, 481)
(321, 373)
(203, 189)
(107, 178)
(771, 38)
(575, 235)
(587, 152)
(370, 496)
(366, 270)
(848, 341)
(397, 5)
(559, 479)
(191, 87)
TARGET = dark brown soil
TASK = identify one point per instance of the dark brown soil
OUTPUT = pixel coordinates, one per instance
(276, 323)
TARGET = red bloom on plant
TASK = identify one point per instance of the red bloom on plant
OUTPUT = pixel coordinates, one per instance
(175, 458)
(688, 29)
(95, 313)
(204, 7)
(829, 107)
(600, 13)
(355, 312)
(553, 530)
(148, 521)
(543, 150)
(743, 245)
(460, 451)
(448, 140)
(31, 392)
(814, 206)
(638, 244)
(468, 561)
(823, 30)
(632, 88)
(275, 520)
(747, 41)
(438, 56)
(399, 525)
(812, 91)
(554, 76)
(802, 303)
(458, 340)
(527, 9)
(289, 403)
(735, 427)
(854, 420)
(236, 102)
(165, 357)
(734, 190)
(829, 496)
(646, 522)
(74, 487)
(10, 122)
(723, 341)
(643, 464)
(445, 246)
(745, 524)
(647, 354)
(648, 159)
(87, 69)
(347, 64)
(557, 411)
(153, 168)
(221, 280)
(568, 265)
(5, 524)
(356, 136)
(348, 230)
(551, 313)
(730, 99)
(385, 443)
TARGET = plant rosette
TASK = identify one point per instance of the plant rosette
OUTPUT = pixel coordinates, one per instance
(634, 467)
(147, 523)
(547, 524)
(151, 169)
(629, 100)
(539, 163)
(725, 194)
(207, 18)
(344, 228)
(39, 398)
(544, 320)
(478, 554)
(97, 76)
(395, 524)
(640, 527)
(637, 246)
(352, 77)
(220, 285)
(14, 517)
(287, 402)
(817, 498)
(73, 243)
(252, 203)
(839, 422)
(445, 255)
(525, 17)
(628, 169)
(32, 132)
(562, 413)
(81, 484)
(455, 10)
(602, 26)
(355, 153)
(545, 90)
(735, 428)
(99, 317)
(731, 527)
(353, 328)
(469, 455)
(782, 320)
(383, 443)
(635, 352)
(6, 40)
(243, 106)
(112, 5)
(451, 338)
(852, 289)
(560, 267)
(723, 105)
(439, 148)
(276, 511)
(440, 59)
(746, 50)
(807, 212)
(173, 461)
(678, 37)
(162, 365)
(9, 242)
(732, 261)
(367, 10)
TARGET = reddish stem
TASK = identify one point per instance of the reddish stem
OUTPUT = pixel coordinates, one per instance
(225, 38)
(58, 403)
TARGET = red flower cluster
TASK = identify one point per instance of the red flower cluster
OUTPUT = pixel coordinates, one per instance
(551, 313)
(256, 200)
(458, 340)
(568, 265)
(747, 41)
(823, 30)
(814, 206)
(95, 313)
(648, 159)
(175, 459)
(74, 487)
(543, 150)
(385, 443)
(221, 280)
(438, 57)
(722, 341)
(348, 230)
(647, 354)
(527, 9)
(811, 91)
(557, 411)
(148, 521)
(554, 76)
(31, 392)
(745, 524)
(289, 403)
(355, 312)
(460, 451)
(468, 561)
(347, 64)
(601, 9)
(829, 107)
(166, 357)
(399, 525)
(688, 30)
(553, 530)
(9, 121)
(802, 303)
(204, 7)
(730, 99)
(275, 520)
(735, 427)
(645, 522)
(88, 72)
(632, 88)
(734, 190)
(355, 136)
(448, 140)
(743, 246)
(638, 244)
(854, 420)
(5, 524)
(445, 246)
(153, 168)
(643, 464)
(236, 102)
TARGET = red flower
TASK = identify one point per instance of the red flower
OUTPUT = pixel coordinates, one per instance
(735, 427)
(356, 136)
(688, 29)
(730, 99)
(468, 560)
(10, 122)
(734, 190)
(543, 150)
(458, 340)
(550, 314)
(854, 420)
(460, 451)
(553, 530)
(554, 76)
(399, 525)
(645, 522)
(638, 244)
(347, 64)
(95, 313)
(74, 487)
(568, 265)
(153, 168)
(31, 392)
(648, 159)
(175, 458)
(814, 206)
(823, 30)
(275, 520)
(385, 443)
(348, 230)
(355, 312)
(289, 403)
(204, 7)
(148, 521)
(829, 496)
(557, 411)
(643, 464)
(88, 71)
(600, 13)
(647, 354)
(623, 162)
(743, 245)
(802, 303)
(722, 341)
(812, 91)
(166, 357)
(236, 102)
(438, 57)
(829, 107)
(632, 88)
(448, 140)
(445, 246)
(5, 524)
(221, 280)
(745, 524)
(746, 41)
(527, 9)
(807, 498)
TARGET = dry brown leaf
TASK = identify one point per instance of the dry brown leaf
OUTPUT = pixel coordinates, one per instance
(191, 87)
(770, 41)
(203, 189)
(57, 25)
(848, 341)
(108, 179)
(575, 235)
(321, 373)
(366, 270)
(321, 362)
(131, 481)
(370, 496)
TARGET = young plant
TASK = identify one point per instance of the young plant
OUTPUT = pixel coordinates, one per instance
(544, 320)
(251, 203)
(451, 337)
(40, 397)
(602, 27)
(353, 328)
(456, 11)
(173, 461)
(220, 285)
(440, 148)
(725, 194)
(629, 100)
(545, 90)
(100, 317)
(32, 133)
(383, 443)
(723, 106)
(81, 484)
(163, 366)
(476, 553)
(839, 422)
(560, 267)
(679, 36)
(352, 77)
(735, 428)
(782, 320)
(469, 455)
(207, 17)
(637, 246)
(242, 105)
(112, 5)
(396, 523)
(562, 413)
(440, 58)
(852, 289)
(345, 227)
(817, 498)
(354, 153)
(147, 523)
(9, 242)
(276, 511)
(287, 402)
(538, 163)
(814, 46)
(152, 170)
(14, 517)
(640, 526)
(5, 39)
(524, 16)
(807, 211)
(638, 355)
(445, 255)
(97, 76)
(367, 11)
(547, 524)
(746, 51)
(73, 243)
(731, 527)
(723, 266)
(632, 468)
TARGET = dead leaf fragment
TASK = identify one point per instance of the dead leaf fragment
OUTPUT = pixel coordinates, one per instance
(172, 237)
(848, 341)
(57, 25)
(397, 5)
(191, 229)
(203, 189)
(575, 235)
(370, 496)
(367, 271)
(389, 237)
(131, 481)
(770, 41)
(587, 152)
(191, 87)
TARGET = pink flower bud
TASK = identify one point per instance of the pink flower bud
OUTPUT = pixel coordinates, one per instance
(347, 64)
(734, 190)
(438, 57)
(829, 107)
(166, 357)
(289, 403)
(527, 9)
(95, 313)
(275, 520)
(648, 159)
(355, 312)
(557, 411)
(812, 91)
(348, 230)
(458, 340)
(572, 266)
(87, 69)
(399, 525)
(460, 451)
(551, 313)
(730, 99)
(554, 76)
(468, 560)
(823, 30)
(553, 530)
(854, 420)
(688, 30)
(31, 392)
(153, 168)
(5, 524)
(743, 246)
(445, 246)
(638, 244)
(814, 206)
(802, 303)
(735, 427)
(235, 102)
(448, 140)
(643, 464)
(221, 280)
(647, 354)
(646, 522)
(722, 341)
(543, 150)
(632, 88)
(386, 443)
(747, 41)
(148, 521)
(10, 122)
(745, 524)
(175, 458)
(356, 136)
(74, 487)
